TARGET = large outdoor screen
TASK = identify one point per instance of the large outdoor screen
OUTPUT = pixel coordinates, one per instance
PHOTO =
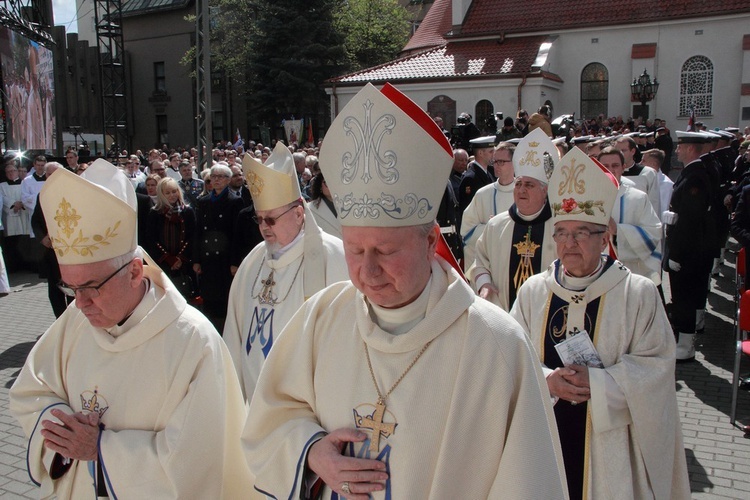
(29, 92)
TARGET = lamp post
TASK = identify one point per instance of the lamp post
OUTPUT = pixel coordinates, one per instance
(643, 90)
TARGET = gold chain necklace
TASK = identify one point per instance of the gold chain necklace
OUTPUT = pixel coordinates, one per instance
(266, 295)
(376, 421)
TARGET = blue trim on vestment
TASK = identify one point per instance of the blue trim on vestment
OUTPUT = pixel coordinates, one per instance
(28, 447)
(646, 239)
(468, 235)
(315, 438)
(101, 462)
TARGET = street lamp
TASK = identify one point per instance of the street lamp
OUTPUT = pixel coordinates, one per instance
(643, 90)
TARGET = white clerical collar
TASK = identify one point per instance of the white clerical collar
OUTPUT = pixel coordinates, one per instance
(581, 283)
(529, 217)
(151, 296)
(506, 188)
(276, 254)
(401, 320)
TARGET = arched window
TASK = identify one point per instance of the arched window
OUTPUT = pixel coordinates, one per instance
(697, 86)
(484, 109)
(594, 90)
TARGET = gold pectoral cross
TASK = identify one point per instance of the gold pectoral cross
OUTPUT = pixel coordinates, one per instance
(526, 249)
(375, 423)
(266, 295)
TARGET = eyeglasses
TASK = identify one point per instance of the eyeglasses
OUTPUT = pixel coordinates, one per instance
(500, 162)
(579, 236)
(271, 221)
(89, 291)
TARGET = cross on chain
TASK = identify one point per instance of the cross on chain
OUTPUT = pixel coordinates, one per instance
(375, 423)
(266, 295)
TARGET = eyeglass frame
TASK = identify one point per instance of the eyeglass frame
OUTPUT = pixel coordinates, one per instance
(577, 235)
(271, 221)
(70, 291)
(502, 162)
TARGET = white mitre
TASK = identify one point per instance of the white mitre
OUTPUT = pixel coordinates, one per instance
(535, 156)
(385, 161)
(581, 189)
(90, 218)
(274, 184)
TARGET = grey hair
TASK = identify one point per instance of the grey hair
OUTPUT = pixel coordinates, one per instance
(51, 166)
(426, 228)
(121, 260)
(221, 169)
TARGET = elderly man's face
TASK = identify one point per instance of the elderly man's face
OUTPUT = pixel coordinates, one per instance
(390, 266)
(105, 309)
(186, 171)
(460, 162)
(580, 258)
(286, 227)
(529, 195)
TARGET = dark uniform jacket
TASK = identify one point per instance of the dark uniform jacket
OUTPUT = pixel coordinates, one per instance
(474, 178)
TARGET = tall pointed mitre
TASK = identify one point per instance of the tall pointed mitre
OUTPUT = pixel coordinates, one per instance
(535, 156)
(274, 184)
(385, 161)
(581, 189)
(90, 218)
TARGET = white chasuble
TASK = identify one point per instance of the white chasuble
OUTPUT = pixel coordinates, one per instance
(511, 250)
(326, 219)
(171, 410)
(488, 201)
(639, 232)
(474, 401)
(626, 441)
(265, 294)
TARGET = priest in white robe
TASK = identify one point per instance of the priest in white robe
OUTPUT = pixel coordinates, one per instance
(518, 243)
(635, 227)
(390, 384)
(295, 261)
(488, 201)
(616, 407)
(131, 393)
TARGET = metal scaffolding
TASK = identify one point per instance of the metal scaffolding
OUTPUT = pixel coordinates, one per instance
(108, 19)
(203, 84)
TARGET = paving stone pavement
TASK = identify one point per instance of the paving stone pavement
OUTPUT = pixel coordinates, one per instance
(718, 453)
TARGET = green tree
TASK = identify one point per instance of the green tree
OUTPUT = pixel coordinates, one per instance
(376, 30)
(294, 47)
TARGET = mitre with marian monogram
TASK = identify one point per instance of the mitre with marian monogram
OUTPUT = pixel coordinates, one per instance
(274, 184)
(385, 161)
(581, 189)
(90, 218)
(535, 156)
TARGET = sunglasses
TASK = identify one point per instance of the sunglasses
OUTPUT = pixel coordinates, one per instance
(271, 221)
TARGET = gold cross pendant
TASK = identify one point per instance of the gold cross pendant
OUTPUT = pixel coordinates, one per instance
(375, 423)
(266, 295)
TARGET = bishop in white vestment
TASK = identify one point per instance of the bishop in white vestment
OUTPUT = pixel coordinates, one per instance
(295, 260)
(131, 393)
(616, 407)
(401, 383)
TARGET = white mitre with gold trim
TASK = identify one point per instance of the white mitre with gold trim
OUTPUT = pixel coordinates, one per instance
(90, 218)
(385, 161)
(535, 156)
(581, 189)
(274, 184)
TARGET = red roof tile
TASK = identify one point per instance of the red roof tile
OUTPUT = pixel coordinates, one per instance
(435, 24)
(512, 57)
(486, 16)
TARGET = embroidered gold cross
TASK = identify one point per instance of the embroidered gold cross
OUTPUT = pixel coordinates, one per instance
(266, 295)
(526, 249)
(375, 423)
(66, 217)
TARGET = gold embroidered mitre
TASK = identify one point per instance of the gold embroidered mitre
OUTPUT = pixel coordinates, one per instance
(90, 219)
(274, 184)
(385, 161)
(581, 189)
(529, 156)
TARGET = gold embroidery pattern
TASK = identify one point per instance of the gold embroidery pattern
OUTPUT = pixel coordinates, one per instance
(526, 249)
(66, 217)
(255, 183)
(530, 158)
(82, 245)
(93, 402)
(570, 182)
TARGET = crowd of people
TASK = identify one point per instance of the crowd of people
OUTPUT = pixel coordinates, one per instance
(384, 331)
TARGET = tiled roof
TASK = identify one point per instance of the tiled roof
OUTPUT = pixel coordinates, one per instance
(485, 16)
(455, 60)
(435, 24)
(137, 7)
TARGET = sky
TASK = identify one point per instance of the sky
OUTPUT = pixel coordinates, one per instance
(65, 12)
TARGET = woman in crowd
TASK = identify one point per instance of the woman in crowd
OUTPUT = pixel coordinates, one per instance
(170, 229)
(321, 204)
